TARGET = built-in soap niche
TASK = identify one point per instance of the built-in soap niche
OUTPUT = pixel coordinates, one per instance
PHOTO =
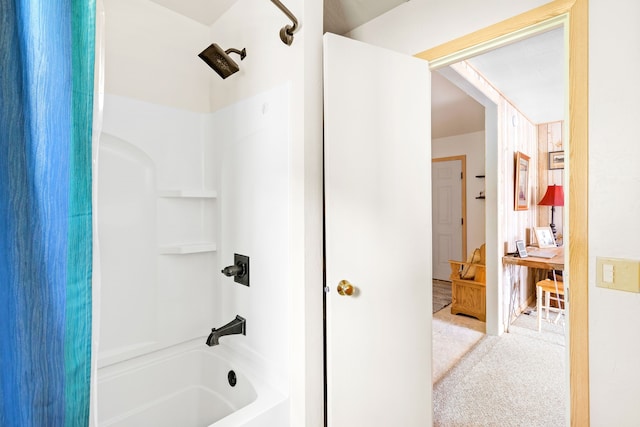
(187, 221)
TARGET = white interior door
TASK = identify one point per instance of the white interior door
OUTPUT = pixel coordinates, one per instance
(378, 235)
(447, 215)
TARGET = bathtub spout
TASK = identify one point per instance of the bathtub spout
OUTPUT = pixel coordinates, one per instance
(235, 327)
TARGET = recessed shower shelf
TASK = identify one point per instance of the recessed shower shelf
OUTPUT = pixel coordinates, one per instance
(194, 194)
(191, 248)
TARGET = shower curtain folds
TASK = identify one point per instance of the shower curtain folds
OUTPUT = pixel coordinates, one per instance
(46, 105)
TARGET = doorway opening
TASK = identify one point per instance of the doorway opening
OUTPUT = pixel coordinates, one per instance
(512, 124)
(578, 159)
(449, 229)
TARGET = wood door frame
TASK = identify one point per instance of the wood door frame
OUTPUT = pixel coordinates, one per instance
(463, 159)
(577, 12)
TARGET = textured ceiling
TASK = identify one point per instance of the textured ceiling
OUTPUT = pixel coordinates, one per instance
(342, 16)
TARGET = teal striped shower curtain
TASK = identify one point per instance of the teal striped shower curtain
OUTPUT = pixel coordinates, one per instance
(46, 109)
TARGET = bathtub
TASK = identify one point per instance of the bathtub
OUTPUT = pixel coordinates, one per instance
(188, 386)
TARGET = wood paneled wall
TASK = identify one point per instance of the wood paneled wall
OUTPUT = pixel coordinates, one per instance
(515, 133)
(549, 139)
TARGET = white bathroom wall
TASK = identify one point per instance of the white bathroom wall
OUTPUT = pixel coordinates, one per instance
(151, 296)
(614, 207)
(151, 55)
(254, 26)
(472, 146)
(158, 287)
(254, 221)
(126, 212)
(271, 64)
(253, 123)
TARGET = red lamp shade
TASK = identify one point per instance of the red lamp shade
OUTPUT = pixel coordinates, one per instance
(553, 197)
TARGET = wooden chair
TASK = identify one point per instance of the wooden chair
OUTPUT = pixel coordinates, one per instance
(468, 285)
(544, 289)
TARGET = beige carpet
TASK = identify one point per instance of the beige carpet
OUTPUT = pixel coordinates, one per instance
(517, 379)
(453, 337)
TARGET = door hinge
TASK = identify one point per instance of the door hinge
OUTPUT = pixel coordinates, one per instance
(461, 175)
(461, 221)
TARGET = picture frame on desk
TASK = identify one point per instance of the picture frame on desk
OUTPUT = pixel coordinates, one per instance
(545, 238)
(521, 248)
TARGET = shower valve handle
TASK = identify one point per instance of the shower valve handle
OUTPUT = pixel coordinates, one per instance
(239, 270)
(233, 270)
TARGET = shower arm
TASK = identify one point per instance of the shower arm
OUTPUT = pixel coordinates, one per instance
(287, 32)
(242, 53)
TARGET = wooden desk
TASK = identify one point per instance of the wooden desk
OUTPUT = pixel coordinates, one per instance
(555, 263)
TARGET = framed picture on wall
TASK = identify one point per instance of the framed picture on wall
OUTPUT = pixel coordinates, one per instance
(522, 182)
(556, 160)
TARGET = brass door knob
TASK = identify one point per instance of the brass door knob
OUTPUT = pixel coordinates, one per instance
(345, 288)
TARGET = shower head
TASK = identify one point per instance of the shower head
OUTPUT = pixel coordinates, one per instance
(220, 60)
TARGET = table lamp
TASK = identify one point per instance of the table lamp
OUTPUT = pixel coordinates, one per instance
(553, 197)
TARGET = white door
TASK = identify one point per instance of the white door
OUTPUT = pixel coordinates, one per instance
(447, 215)
(378, 235)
